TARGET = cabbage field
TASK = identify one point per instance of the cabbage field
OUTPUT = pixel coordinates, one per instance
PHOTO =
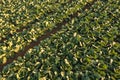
(59, 39)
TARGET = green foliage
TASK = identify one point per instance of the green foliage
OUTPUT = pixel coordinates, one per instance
(86, 48)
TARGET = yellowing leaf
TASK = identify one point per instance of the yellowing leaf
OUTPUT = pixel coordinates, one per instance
(4, 60)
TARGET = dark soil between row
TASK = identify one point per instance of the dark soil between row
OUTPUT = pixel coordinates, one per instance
(46, 35)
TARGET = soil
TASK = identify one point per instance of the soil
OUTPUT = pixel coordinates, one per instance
(46, 35)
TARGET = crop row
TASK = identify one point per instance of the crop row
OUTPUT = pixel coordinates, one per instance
(47, 34)
(7, 32)
(20, 16)
(84, 49)
(20, 40)
(21, 12)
